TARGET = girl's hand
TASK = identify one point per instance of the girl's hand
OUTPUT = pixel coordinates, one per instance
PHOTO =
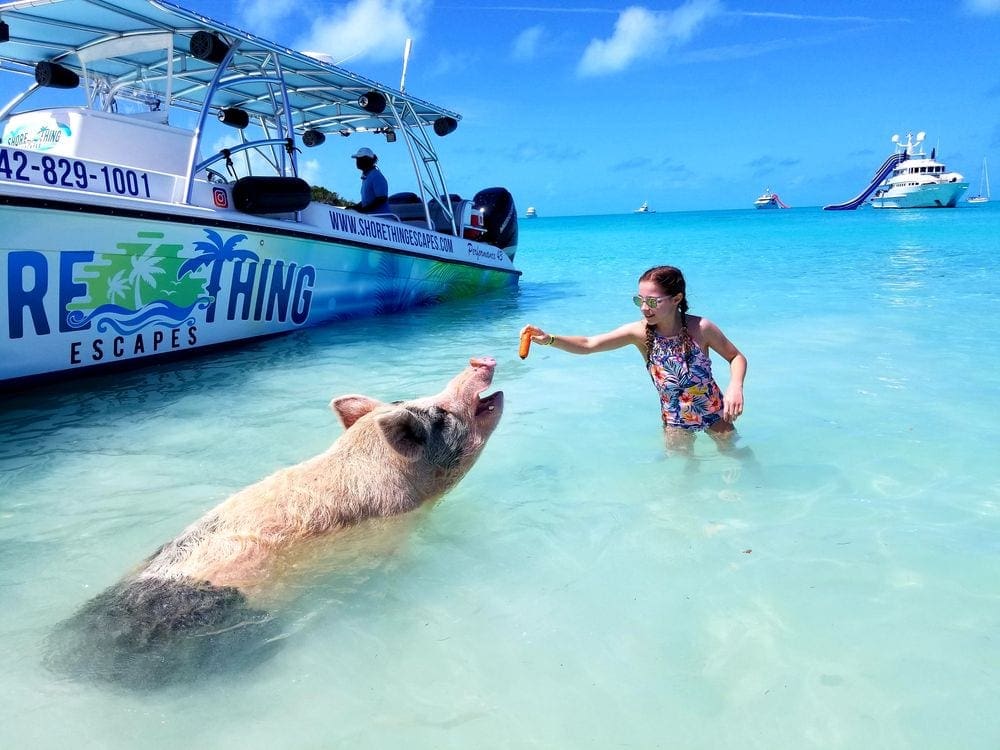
(732, 403)
(537, 334)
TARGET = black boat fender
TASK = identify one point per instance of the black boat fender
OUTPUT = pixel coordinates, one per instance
(271, 195)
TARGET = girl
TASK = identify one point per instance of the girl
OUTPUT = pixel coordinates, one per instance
(676, 348)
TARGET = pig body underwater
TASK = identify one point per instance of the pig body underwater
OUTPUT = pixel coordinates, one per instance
(198, 604)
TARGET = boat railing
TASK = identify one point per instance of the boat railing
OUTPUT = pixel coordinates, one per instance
(220, 71)
(223, 79)
(227, 154)
(430, 179)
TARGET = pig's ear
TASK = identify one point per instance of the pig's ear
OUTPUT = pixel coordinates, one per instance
(351, 408)
(404, 432)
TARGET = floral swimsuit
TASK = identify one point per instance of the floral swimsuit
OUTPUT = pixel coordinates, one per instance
(689, 396)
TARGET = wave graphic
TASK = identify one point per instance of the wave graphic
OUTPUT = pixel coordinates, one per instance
(126, 321)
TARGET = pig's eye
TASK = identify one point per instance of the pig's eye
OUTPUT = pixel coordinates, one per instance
(447, 436)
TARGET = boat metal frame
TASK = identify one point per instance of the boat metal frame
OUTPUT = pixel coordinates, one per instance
(267, 78)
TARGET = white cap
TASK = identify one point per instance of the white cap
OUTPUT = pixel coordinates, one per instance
(364, 152)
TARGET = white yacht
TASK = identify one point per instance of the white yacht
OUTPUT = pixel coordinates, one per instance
(769, 199)
(644, 209)
(918, 181)
(531, 213)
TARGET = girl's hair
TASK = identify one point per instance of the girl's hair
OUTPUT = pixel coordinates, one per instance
(670, 280)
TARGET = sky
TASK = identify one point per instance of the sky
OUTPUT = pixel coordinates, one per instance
(593, 107)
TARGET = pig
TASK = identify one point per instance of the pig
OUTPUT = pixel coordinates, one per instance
(199, 604)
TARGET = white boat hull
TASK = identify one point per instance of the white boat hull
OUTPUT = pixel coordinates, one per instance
(941, 195)
(100, 287)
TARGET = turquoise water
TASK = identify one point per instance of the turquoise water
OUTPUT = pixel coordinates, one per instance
(833, 586)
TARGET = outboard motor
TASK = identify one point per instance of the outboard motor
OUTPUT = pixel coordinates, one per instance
(496, 205)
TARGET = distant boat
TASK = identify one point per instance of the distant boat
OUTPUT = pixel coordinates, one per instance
(644, 209)
(531, 213)
(984, 185)
(768, 199)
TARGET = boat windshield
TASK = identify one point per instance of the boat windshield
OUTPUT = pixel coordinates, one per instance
(131, 92)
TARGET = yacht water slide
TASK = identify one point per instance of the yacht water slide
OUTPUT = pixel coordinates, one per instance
(861, 197)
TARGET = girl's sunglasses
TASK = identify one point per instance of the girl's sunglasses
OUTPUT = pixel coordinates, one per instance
(651, 302)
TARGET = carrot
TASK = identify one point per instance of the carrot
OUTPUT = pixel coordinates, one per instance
(525, 344)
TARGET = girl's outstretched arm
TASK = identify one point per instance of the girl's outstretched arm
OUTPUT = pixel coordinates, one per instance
(630, 333)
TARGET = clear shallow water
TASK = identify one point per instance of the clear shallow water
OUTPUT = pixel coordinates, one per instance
(579, 588)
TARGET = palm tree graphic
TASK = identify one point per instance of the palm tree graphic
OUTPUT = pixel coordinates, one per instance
(145, 267)
(215, 253)
(117, 287)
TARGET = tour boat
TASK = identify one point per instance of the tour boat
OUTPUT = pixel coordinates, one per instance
(531, 213)
(918, 181)
(152, 204)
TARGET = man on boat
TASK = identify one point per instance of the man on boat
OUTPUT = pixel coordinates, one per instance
(374, 186)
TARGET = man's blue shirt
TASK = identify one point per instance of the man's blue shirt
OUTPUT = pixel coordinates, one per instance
(374, 189)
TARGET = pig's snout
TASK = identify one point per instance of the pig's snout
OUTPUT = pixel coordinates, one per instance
(488, 362)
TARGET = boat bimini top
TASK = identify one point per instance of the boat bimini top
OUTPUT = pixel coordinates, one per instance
(157, 61)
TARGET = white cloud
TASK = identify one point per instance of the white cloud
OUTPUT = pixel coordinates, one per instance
(309, 170)
(264, 14)
(635, 32)
(527, 44)
(683, 22)
(983, 7)
(376, 29)
(640, 33)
